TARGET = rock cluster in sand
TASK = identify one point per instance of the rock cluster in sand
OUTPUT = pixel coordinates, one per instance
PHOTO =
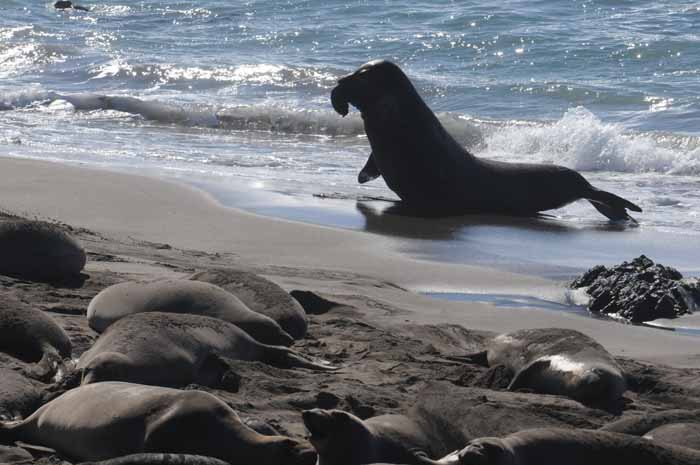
(639, 291)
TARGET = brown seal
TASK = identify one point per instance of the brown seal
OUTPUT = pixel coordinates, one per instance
(341, 438)
(558, 361)
(170, 349)
(181, 296)
(553, 446)
(112, 419)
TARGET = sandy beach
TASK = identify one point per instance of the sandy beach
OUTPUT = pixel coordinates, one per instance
(391, 342)
(344, 264)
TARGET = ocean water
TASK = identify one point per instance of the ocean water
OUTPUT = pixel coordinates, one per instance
(234, 98)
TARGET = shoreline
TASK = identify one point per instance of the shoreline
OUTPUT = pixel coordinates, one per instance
(339, 263)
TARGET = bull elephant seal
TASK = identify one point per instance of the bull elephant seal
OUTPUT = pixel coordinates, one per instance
(32, 336)
(181, 296)
(558, 361)
(105, 420)
(39, 251)
(167, 349)
(341, 438)
(552, 446)
(260, 295)
(429, 170)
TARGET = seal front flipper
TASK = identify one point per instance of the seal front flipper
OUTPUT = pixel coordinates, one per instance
(528, 376)
(612, 206)
(369, 172)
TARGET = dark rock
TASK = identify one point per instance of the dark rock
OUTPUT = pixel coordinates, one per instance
(639, 291)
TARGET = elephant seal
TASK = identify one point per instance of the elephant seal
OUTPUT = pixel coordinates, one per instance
(39, 251)
(260, 295)
(106, 420)
(65, 4)
(680, 434)
(19, 395)
(553, 446)
(639, 425)
(181, 296)
(341, 438)
(680, 427)
(159, 459)
(429, 170)
(558, 361)
(168, 349)
(32, 336)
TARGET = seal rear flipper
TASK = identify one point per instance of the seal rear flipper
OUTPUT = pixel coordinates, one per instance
(369, 172)
(477, 358)
(612, 206)
(287, 358)
(525, 377)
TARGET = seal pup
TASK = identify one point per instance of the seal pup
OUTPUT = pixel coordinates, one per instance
(64, 5)
(106, 420)
(260, 295)
(34, 337)
(181, 296)
(19, 395)
(168, 349)
(39, 251)
(341, 438)
(557, 361)
(428, 169)
(553, 446)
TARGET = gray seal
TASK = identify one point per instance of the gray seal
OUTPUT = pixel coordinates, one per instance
(341, 438)
(571, 447)
(39, 251)
(32, 336)
(169, 349)
(181, 296)
(558, 361)
(106, 420)
(260, 295)
(430, 171)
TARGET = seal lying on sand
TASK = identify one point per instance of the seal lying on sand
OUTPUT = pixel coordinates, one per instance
(159, 459)
(680, 427)
(431, 171)
(341, 438)
(260, 295)
(107, 420)
(181, 296)
(19, 395)
(166, 349)
(557, 361)
(32, 336)
(571, 447)
(38, 251)
(65, 4)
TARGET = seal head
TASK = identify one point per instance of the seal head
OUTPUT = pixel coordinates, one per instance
(372, 86)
